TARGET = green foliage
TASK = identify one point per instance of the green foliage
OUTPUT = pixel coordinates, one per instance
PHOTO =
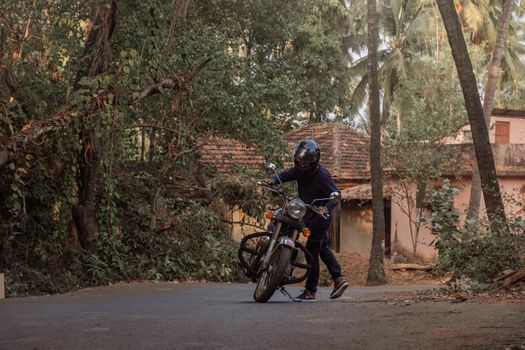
(473, 251)
(239, 189)
(423, 115)
(426, 111)
(272, 63)
(293, 63)
(412, 34)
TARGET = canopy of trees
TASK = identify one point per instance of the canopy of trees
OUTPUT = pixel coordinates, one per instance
(102, 103)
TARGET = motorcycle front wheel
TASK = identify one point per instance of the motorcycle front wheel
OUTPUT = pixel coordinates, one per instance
(273, 275)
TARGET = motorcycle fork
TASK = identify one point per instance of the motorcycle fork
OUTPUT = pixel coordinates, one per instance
(271, 245)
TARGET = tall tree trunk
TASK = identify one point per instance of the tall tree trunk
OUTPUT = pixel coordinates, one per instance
(480, 135)
(488, 101)
(95, 59)
(376, 272)
(142, 144)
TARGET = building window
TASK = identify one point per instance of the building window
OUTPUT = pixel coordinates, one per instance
(502, 132)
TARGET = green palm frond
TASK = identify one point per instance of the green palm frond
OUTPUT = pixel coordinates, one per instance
(400, 66)
(385, 80)
(359, 68)
(516, 44)
(358, 98)
(490, 33)
(420, 32)
(413, 9)
(388, 14)
(473, 17)
(509, 64)
(518, 63)
(354, 42)
(395, 65)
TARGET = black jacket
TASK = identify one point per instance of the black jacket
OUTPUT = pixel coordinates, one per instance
(318, 184)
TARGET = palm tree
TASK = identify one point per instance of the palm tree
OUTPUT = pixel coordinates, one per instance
(484, 156)
(488, 100)
(482, 19)
(376, 272)
(405, 39)
(409, 32)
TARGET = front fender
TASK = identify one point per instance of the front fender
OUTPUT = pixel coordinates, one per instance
(283, 240)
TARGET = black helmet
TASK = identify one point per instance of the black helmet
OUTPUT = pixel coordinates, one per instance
(306, 156)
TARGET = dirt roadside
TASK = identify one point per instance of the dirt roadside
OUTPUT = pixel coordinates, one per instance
(355, 268)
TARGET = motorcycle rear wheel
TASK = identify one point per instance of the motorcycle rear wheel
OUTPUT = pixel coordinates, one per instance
(271, 278)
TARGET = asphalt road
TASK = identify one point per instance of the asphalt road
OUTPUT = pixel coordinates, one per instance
(224, 316)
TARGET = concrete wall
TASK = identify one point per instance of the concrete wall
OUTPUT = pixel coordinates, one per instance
(355, 229)
(403, 228)
(517, 130)
(238, 231)
(511, 187)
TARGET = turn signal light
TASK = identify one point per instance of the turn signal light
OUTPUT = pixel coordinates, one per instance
(268, 215)
(307, 232)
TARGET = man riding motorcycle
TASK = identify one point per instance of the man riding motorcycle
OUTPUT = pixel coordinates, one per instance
(314, 181)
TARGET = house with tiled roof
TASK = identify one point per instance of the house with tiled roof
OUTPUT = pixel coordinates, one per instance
(345, 153)
(507, 138)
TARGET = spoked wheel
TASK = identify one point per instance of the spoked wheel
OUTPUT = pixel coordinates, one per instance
(272, 276)
(251, 249)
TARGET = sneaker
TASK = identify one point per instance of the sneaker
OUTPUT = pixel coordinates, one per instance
(306, 295)
(340, 285)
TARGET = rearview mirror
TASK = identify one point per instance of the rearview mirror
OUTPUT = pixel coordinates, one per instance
(271, 166)
(335, 197)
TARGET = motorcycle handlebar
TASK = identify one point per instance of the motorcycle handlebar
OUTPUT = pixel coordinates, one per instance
(309, 206)
(314, 209)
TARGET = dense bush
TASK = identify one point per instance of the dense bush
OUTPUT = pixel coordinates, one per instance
(473, 250)
(190, 241)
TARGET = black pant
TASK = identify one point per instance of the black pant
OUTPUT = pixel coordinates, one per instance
(317, 245)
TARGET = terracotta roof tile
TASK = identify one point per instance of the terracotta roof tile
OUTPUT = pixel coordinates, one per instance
(508, 112)
(344, 150)
(363, 192)
(225, 154)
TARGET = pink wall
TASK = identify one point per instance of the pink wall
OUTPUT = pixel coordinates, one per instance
(511, 188)
(402, 241)
(401, 238)
(517, 130)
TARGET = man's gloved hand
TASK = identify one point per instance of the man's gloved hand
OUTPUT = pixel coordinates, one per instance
(267, 182)
(322, 210)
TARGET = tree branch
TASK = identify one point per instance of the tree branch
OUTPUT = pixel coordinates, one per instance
(37, 129)
(177, 83)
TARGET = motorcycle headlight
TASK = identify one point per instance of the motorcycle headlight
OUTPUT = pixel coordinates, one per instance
(296, 209)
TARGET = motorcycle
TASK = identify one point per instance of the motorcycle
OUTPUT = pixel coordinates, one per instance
(276, 258)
